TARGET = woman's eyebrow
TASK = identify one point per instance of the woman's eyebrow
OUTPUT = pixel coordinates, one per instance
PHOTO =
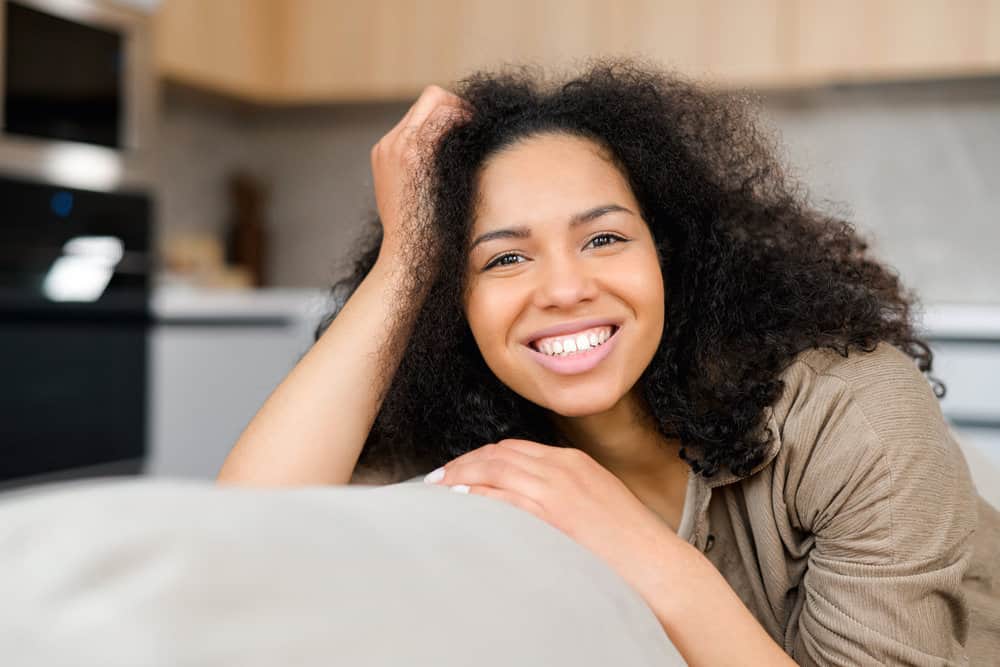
(523, 232)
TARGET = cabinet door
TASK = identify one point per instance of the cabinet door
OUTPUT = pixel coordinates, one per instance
(206, 384)
(378, 49)
(232, 46)
(861, 39)
(323, 51)
(367, 49)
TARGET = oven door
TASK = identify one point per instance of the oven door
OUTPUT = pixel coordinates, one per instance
(74, 323)
(74, 393)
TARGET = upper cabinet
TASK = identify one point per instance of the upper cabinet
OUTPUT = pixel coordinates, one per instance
(866, 39)
(226, 45)
(318, 51)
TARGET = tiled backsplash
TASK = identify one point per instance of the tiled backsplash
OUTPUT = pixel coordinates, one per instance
(915, 166)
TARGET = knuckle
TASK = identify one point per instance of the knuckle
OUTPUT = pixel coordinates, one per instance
(491, 451)
(502, 468)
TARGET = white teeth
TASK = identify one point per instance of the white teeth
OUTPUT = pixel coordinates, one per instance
(577, 343)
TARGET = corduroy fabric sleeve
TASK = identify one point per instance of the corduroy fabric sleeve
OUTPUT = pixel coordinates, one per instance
(886, 494)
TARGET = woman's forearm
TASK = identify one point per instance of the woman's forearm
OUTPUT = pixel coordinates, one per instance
(704, 618)
(312, 427)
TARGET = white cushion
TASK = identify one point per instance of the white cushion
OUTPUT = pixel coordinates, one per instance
(153, 572)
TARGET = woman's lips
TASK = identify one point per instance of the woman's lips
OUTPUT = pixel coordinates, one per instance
(579, 362)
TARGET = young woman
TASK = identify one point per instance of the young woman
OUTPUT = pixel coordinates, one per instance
(602, 301)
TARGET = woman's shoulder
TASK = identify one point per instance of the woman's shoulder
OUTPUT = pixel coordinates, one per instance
(862, 438)
(869, 413)
(884, 386)
(861, 367)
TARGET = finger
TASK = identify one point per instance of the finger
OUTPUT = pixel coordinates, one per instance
(500, 473)
(447, 113)
(431, 97)
(509, 497)
(493, 450)
(421, 99)
(529, 447)
(436, 123)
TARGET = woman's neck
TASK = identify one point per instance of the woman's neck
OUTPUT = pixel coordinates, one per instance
(626, 441)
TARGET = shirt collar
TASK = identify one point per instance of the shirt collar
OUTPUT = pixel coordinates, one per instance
(727, 476)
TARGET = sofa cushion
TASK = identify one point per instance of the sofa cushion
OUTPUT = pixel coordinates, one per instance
(173, 572)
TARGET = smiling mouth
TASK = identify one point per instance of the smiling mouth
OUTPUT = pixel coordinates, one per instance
(575, 344)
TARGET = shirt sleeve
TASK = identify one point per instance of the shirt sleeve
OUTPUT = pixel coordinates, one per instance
(886, 494)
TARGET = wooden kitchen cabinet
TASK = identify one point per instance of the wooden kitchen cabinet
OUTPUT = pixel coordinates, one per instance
(888, 39)
(231, 46)
(324, 51)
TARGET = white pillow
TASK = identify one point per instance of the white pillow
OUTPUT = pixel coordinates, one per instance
(126, 571)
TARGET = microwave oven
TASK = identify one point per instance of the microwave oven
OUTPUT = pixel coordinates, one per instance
(76, 93)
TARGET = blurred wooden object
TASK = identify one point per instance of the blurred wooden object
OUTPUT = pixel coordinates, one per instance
(324, 51)
(246, 237)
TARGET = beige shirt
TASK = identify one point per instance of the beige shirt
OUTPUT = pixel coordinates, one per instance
(860, 539)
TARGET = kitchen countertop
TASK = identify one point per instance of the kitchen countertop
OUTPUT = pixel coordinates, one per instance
(940, 321)
(189, 304)
(961, 321)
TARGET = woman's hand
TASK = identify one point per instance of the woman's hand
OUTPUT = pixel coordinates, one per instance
(399, 156)
(574, 493)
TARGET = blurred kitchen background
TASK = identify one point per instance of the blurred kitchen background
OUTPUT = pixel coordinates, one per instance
(182, 180)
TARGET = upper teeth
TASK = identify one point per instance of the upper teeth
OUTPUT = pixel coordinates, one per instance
(584, 340)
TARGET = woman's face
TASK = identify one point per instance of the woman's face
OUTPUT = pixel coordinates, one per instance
(564, 248)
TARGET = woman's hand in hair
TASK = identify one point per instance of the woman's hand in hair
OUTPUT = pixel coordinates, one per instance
(571, 491)
(399, 158)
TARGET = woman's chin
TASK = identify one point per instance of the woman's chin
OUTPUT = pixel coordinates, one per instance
(582, 406)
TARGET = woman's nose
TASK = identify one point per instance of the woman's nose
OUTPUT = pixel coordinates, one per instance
(564, 283)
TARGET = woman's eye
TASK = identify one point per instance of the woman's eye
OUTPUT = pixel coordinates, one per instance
(614, 238)
(499, 261)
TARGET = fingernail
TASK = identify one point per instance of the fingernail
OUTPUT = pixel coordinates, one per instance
(460, 488)
(434, 477)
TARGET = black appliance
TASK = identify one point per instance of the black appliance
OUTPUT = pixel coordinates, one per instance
(63, 78)
(74, 321)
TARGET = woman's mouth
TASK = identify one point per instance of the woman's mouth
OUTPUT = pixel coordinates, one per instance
(575, 353)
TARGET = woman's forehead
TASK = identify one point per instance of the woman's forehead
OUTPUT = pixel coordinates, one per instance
(551, 177)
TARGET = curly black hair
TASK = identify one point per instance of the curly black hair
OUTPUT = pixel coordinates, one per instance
(753, 272)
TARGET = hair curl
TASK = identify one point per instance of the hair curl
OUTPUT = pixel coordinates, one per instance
(753, 273)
